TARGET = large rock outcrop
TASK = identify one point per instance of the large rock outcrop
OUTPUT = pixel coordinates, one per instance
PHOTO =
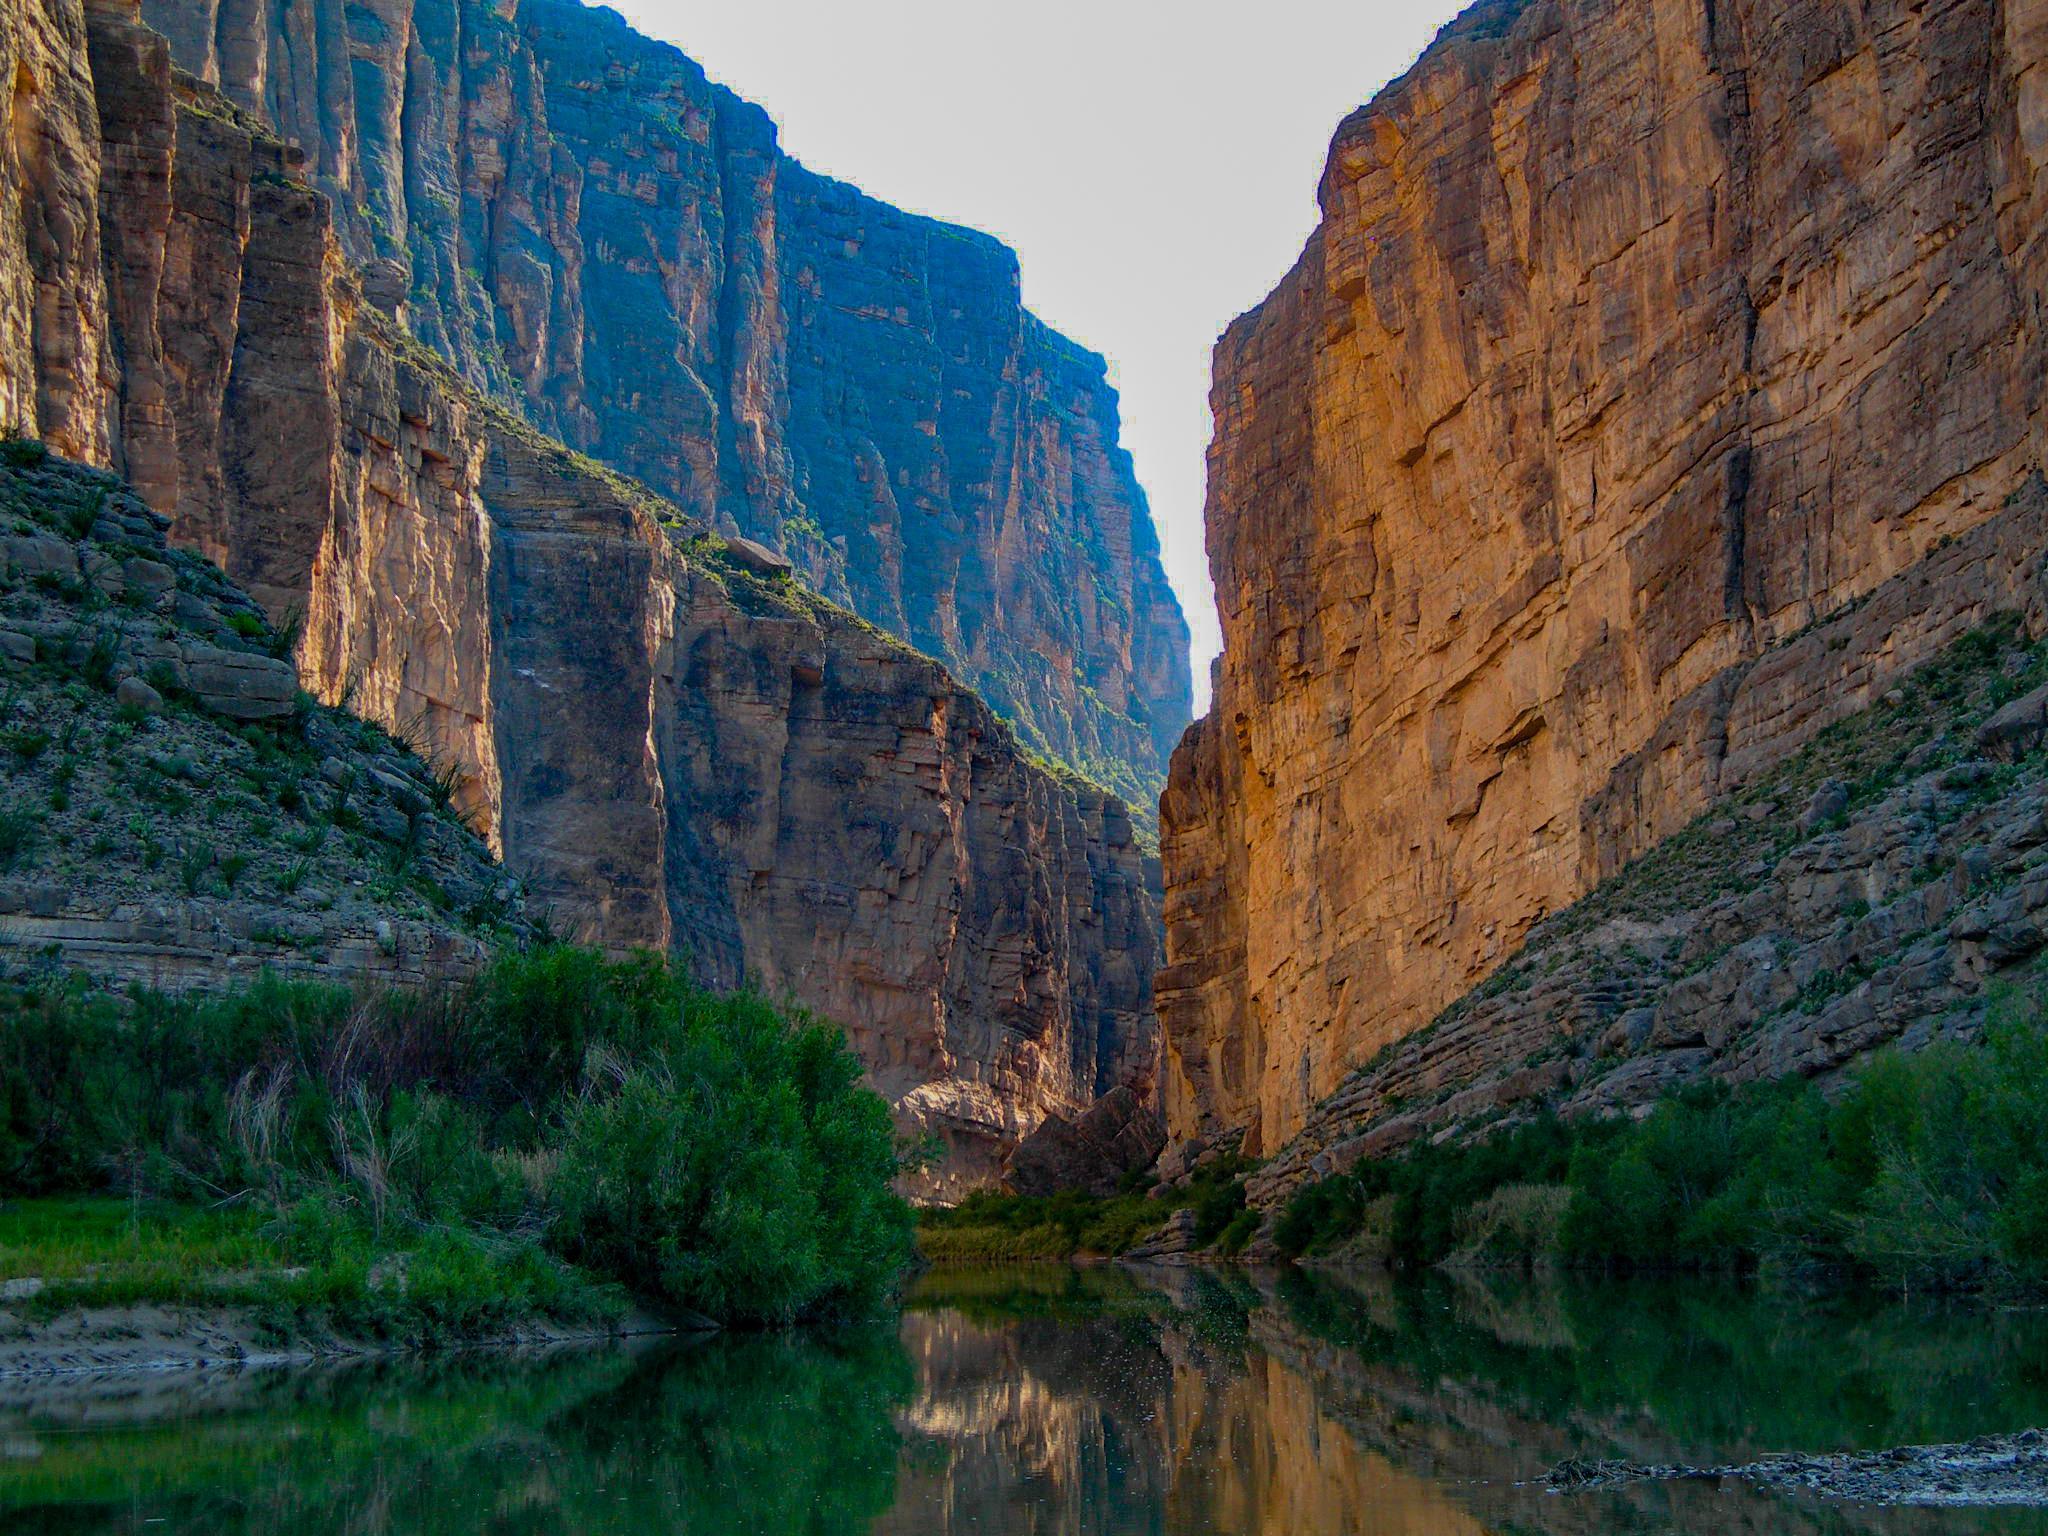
(1880, 888)
(673, 749)
(250, 831)
(582, 222)
(1635, 339)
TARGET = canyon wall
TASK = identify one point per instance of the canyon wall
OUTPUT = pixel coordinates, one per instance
(581, 222)
(1634, 341)
(671, 746)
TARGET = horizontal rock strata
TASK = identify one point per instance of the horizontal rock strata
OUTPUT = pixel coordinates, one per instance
(174, 813)
(671, 746)
(577, 218)
(1635, 340)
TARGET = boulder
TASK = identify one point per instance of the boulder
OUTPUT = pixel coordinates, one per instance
(133, 691)
(758, 558)
(1828, 802)
(241, 684)
(2017, 729)
(39, 554)
(1120, 1134)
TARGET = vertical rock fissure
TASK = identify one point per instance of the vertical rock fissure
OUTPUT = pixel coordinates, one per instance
(770, 350)
(1752, 303)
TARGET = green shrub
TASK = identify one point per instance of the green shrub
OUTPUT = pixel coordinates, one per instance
(1947, 1153)
(19, 831)
(705, 1150)
(1217, 1207)
(1930, 1168)
(745, 1172)
(1518, 1224)
(22, 452)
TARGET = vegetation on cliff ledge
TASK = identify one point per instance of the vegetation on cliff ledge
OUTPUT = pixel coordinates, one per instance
(560, 1133)
(1928, 1169)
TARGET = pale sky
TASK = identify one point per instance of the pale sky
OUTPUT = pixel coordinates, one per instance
(1154, 163)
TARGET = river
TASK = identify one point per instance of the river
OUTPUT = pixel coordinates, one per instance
(1053, 1400)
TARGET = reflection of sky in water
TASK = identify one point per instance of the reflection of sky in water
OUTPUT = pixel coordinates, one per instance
(1047, 1400)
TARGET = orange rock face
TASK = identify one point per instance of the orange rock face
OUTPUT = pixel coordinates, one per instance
(1634, 341)
(54, 368)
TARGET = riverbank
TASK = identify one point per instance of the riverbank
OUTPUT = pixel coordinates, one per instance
(1924, 1170)
(557, 1134)
(2008, 1471)
(148, 1338)
(1208, 1212)
(1921, 1170)
(99, 1284)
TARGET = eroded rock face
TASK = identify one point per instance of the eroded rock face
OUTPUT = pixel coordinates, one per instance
(673, 746)
(1877, 890)
(1634, 340)
(781, 792)
(579, 220)
(53, 340)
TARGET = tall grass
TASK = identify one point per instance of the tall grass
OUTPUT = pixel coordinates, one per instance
(706, 1151)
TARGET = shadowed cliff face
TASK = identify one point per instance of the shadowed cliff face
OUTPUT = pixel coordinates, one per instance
(580, 221)
(673, 751)
(1634, 341)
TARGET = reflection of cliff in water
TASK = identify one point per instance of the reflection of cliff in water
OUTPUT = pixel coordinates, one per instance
(1085, 1401)
(1044, 1400)
(1197, 1401)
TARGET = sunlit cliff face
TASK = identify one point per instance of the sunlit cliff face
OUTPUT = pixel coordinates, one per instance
(1634, 340)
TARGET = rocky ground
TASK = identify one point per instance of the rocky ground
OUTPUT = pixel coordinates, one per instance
(1873, 890)
(1992, 1469)
(173, 810)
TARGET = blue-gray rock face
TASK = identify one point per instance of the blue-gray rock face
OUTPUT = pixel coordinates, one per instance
(579, 220)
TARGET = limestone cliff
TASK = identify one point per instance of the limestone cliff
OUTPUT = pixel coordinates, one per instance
(1880, 887)
(1635, 340)
(674, 749)
(583, 223)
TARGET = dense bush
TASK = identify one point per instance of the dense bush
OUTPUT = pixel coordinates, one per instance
(700, 1149)
(1929, 1168)
(1422, 1197)
(991, 1225)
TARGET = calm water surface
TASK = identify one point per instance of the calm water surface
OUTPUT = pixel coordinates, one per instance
(1051, 1400)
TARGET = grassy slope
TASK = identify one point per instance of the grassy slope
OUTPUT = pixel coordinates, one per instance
(415, 1285)
(316, 826)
